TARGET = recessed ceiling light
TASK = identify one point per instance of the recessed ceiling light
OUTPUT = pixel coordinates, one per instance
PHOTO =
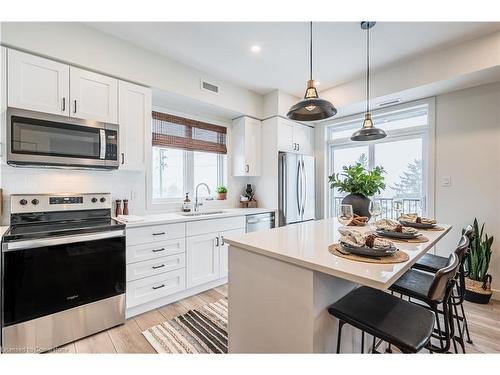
(255, 48)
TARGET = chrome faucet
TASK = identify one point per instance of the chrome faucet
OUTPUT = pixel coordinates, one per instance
(196, 203)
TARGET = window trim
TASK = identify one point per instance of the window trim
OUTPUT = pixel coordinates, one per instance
(428, 145)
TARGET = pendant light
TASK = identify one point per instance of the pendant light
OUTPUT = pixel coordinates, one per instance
(311, 108)
(368, 132)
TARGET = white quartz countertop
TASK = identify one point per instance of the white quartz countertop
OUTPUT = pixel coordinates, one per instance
(306, 245)
(177, 217)
(3, 229)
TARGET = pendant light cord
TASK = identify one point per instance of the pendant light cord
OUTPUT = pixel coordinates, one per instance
(368, 70)
(311, 50)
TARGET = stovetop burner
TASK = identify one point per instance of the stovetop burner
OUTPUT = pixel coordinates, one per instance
(43, 215)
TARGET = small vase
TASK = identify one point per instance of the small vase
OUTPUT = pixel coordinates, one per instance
(359, 203)
(221, 196)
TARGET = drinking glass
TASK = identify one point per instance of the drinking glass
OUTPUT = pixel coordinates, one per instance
(375, 210)
(345, 214)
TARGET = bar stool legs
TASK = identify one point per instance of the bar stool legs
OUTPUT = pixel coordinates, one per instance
(339, 336)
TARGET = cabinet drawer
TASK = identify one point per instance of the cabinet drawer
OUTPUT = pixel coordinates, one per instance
(153, 267)
(154, 287)
(155, 233)
(139, 253)
(195, 228)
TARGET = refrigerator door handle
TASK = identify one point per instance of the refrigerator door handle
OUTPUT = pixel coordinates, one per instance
(299, 188)
(304, 190)
(283, 189)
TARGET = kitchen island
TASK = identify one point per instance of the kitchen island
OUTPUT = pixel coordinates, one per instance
(282, 280)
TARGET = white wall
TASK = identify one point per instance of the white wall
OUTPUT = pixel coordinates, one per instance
(468, 150)
(84, 46)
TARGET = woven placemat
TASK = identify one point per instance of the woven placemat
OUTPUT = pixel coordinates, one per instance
(435, 229)
(419, 239)
(398, 257)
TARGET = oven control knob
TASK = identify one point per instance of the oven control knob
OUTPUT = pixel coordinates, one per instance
(102, 200)
(94, 200)
(35, 201)
(23, 202)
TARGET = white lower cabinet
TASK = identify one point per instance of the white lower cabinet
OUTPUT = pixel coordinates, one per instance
(224, 249)
(203, 259)
(167, 262)
(151, 288)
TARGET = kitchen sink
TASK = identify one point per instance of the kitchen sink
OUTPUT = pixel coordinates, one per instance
(202, 213)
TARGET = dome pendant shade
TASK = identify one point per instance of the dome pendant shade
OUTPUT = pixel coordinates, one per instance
(368, 132)
(311, 108)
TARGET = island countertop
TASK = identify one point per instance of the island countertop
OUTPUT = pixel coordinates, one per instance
(306, 245)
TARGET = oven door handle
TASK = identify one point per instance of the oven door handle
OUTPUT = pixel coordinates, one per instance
(31, 244)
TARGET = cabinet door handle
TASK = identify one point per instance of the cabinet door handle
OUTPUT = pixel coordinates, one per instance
(216, 241)
(160, 266)
(159, 286)
(64, 104)
(123, 158)
(295, 146)
(74, 110)
(298, 146)
(158, 250)
(222, 241)
(247, 168)
(159, 234)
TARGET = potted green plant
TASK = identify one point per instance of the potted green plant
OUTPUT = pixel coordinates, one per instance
(478, 281)
(360, 183)
(221, 192)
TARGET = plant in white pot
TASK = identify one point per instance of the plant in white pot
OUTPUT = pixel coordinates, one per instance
(478, 280)
(361, 184)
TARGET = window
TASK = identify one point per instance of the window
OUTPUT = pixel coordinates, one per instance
(404, 154)
(185, 153)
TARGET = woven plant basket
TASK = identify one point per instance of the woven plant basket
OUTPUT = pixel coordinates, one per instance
(478, 291)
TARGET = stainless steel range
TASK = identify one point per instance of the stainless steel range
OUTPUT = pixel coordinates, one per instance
(63, 270)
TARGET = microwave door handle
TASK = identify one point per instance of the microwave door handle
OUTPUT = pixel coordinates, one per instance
(102, 138)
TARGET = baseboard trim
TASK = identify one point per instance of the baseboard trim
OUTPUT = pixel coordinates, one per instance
(141, 309)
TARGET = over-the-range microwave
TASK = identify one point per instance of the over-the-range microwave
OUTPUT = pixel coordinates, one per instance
(45, 140)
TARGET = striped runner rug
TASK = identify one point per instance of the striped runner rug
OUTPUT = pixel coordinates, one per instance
(202, 330)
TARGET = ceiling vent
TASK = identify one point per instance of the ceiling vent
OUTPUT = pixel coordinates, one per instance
(210, 87)
(390, 102)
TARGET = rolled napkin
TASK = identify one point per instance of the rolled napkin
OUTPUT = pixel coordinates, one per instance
(358, 221)
(414, 218)
(355, 238)
(394, 226)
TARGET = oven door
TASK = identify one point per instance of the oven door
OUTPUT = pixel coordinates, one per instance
(42, 277)
(41, 139)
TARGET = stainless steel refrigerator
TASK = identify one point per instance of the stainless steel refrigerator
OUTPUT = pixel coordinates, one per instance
(296, 188)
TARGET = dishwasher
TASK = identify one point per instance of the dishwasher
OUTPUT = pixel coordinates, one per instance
(258, 222)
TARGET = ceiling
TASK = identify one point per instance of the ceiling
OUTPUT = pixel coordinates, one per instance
(222, 49)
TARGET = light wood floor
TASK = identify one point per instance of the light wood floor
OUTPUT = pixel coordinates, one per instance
(484, 325)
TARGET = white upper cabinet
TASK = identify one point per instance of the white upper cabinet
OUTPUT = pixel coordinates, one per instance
(294, 137)
(134, 119)
(37, 84)
(93, 96)
(246, 136)
(43, 85)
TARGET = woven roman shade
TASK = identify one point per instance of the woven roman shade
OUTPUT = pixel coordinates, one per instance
(179, 132)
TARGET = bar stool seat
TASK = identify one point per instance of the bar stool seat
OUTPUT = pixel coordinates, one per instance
(431, 263)
(398, 322)
(414, 283)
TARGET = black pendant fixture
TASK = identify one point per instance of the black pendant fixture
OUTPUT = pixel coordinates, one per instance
(368, 132)
(311, 108)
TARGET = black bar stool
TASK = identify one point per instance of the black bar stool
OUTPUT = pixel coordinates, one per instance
(432, 263)
(421, 287)
(403, 324)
